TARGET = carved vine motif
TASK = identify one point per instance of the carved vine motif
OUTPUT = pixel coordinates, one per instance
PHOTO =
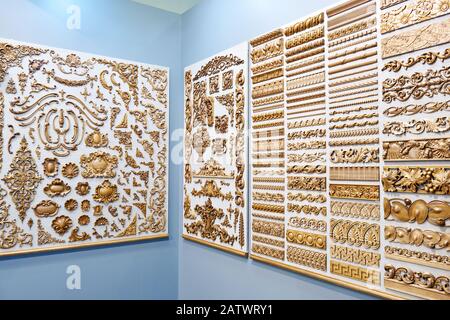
(428, 84)
(23, 179)
(415, 39)
(345, 191)
(412, 13)
(417, 180)
(425, 281)
(429, 58)
(439, 125)
(12, 56)
(431, 107)
(363, 155)
(11, 235)
(207, 227)
(158, 80)
(432, 149)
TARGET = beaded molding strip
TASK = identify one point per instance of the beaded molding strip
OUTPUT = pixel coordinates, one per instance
(317, 241)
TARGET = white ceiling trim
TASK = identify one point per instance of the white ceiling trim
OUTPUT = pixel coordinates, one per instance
(175, 6)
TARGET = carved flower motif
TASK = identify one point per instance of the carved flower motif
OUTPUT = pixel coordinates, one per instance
(62, 224)
(444, 5)
(70, 170)
(73, 60)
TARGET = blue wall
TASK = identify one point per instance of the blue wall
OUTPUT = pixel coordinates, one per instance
(122, 29)
(204, 273)
(172, 268)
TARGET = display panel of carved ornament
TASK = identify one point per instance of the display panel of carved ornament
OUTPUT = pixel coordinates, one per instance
(415, 125)
(349, 147)
(84, 149)
(215, 151)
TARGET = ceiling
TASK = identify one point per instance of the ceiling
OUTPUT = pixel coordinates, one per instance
(176, 6)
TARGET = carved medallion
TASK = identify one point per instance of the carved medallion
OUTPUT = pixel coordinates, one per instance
(98, 165)
(57, 188)
(22, 179)
(46, 208)
(51, 167)
(97, 140)
(106, 193)
(83, 188)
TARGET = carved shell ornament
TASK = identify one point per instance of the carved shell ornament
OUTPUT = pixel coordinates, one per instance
(71, 205)
(61, 225)
(106, 193)
(70, 170)
(84, 220)
(46, 208)
(57, 188)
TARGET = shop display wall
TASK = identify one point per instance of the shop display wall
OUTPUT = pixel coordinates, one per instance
(254, 280)
(140, 270)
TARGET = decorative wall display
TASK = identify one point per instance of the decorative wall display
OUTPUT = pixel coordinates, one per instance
(349, 147)
(414, 108)
(85, 159)
(216, 150)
